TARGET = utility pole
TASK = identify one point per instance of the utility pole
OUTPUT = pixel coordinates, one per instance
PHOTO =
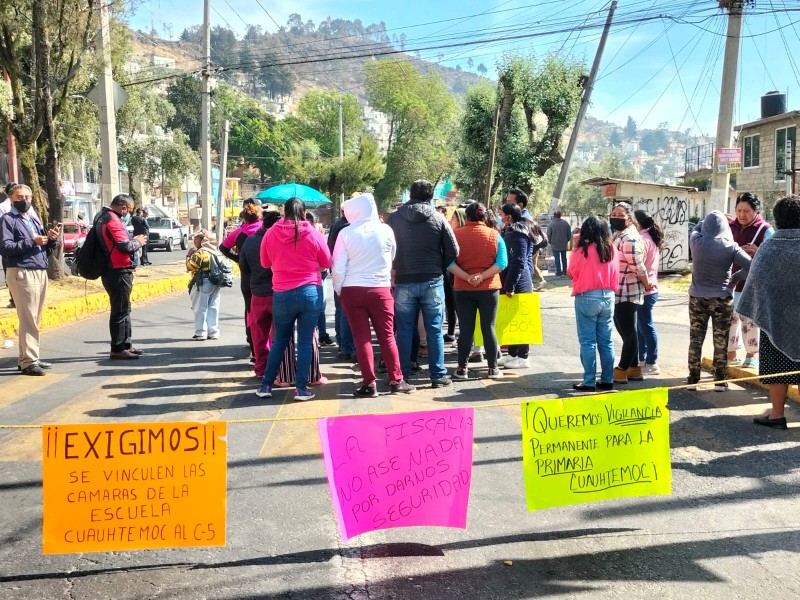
(720, 182)
(205, 123)
(13, 175)
(223, 174)
(341, 157)
(585, 99)
(108, 112)
(492, 152)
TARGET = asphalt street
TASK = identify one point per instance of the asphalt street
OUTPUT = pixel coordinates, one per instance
(730, 529)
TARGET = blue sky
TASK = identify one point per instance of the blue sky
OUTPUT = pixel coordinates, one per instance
(663, 70)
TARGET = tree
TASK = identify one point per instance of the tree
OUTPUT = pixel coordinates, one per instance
(223, 50)
(470, 63)
(615, 139)
(630, 128)
(587, 200)
(654, 140)
(422, 117)
(482, 69)
(318, 116)
(138, 120)
(43, 45)
(535, 102)
(183, 94)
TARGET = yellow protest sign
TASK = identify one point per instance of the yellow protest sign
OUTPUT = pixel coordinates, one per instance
(519, 321)
(131, 486)
(595, 448)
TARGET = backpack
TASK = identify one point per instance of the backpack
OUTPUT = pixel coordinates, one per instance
(220, 270)
(92, 258)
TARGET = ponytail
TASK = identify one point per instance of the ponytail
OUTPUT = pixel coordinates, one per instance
(294, 210)
(654, 229)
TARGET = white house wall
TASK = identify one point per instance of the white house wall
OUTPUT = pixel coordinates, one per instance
(670, 209)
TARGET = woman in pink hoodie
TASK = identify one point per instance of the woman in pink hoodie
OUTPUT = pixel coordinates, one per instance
(296, 252)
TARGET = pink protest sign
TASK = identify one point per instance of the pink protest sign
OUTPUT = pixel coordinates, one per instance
(399, 470)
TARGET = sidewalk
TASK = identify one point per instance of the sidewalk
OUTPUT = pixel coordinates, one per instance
(75, 298)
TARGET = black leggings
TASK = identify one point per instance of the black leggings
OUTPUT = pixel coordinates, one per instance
(449, 303)
(468, 304)
(625, 322)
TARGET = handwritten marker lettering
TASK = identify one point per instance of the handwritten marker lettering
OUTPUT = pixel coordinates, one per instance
(595, 448)
(129, 487)
(399, 470)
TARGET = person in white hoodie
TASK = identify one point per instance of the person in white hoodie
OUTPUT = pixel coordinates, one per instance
(361, 271)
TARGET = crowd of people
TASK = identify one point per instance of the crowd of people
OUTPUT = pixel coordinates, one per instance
(401, 277)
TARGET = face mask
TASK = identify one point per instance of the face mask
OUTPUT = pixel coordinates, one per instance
(617, 224)
(126, 219)
(22, 205)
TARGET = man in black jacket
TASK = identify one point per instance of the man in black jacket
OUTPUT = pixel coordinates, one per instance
(344, 337)
(141, 227)
(425, 246)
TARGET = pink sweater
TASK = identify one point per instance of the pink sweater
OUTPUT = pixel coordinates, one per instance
(588, 273)
(294, 264)
(248, 228)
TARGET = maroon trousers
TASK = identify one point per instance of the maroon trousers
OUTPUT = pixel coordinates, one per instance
(362, 305)
(260, 320)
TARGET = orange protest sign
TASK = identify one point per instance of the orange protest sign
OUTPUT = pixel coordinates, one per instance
(132, 486)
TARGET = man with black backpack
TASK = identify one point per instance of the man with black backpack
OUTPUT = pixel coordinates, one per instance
(117, 276)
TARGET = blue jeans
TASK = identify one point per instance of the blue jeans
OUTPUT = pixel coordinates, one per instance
(560, 260)
(205, 303)
(344, 337)
(646, 330)
(593, 311)
(409, 299)
(301, 305)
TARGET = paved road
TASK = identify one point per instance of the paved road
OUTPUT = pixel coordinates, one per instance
(729, 530)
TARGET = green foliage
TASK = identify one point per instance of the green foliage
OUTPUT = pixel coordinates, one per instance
(145, 109)
(422, 116)
(615, 140)
(654, 140)
(159, 160)
(318, 119)
(630, 128)
(537, 101)
(183, 94)
(586, 200)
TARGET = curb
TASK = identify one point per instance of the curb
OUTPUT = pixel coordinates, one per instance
(737, 372)
(92, 304)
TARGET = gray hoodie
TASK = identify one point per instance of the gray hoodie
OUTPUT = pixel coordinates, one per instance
(713, 254)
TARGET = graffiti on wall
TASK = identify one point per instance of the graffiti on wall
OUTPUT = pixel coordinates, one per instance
(672, 214)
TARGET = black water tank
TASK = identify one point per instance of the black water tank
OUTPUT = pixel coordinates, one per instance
(772, 104)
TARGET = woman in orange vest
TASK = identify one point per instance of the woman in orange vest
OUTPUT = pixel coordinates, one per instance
(481, 258)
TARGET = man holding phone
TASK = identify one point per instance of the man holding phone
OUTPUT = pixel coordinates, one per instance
(25, 246)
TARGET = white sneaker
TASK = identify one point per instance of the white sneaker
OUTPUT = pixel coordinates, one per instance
(517, 363)
(495, 373)
(462, 374)
(503, 360)
(653, 369)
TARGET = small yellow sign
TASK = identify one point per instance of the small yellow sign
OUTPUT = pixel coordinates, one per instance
(132, 486)
(595, 448)
(519, 321)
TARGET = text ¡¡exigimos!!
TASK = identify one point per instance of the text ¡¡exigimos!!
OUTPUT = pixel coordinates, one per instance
(132, 486)
(596, 448)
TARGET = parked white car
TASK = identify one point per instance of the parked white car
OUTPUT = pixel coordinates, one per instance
(166, 232)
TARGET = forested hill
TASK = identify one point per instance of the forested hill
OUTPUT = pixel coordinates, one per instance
(299, 56)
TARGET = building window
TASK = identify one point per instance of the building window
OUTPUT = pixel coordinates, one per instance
(783, 135)
(752, 150)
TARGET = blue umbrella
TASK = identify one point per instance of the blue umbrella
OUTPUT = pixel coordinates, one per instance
(281, 193)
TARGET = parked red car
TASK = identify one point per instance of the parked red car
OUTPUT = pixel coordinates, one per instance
(74, 236)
